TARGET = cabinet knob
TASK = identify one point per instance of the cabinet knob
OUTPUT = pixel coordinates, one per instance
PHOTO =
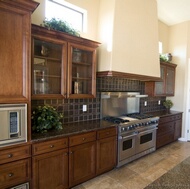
(10, 155)
(107, 133)
(83, 139)
(66, 153)
(71, 152)
(51, 146)
(10, 174)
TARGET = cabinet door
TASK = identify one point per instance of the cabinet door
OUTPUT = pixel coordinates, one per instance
(81, 71)
(15, 44)
(15, 173)
(81, 163)
(106, 154)
(177, 127)
(50, 170)
(170, 81)
(48, 68)
(160, 86)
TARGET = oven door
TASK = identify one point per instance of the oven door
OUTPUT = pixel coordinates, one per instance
(146, 140)
(126, 146)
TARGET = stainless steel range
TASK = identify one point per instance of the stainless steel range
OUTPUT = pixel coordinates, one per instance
(136, 131)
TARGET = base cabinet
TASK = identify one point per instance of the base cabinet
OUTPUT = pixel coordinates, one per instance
(82, 163)
(50, 170)
(169, 129)
(106, 150)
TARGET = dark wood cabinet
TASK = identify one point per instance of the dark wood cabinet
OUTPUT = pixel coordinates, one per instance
(82, 158)
(169, 129)
(106, 150)
(66, 60)
(15, 165)
(166, 87)
(50, 170)
(50, 164)
(15, 29)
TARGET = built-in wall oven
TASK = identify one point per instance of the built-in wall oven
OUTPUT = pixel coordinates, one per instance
(136, 131)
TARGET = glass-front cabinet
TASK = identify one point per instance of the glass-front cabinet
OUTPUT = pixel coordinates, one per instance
(81, 72)
(63, 65)
(48, 68)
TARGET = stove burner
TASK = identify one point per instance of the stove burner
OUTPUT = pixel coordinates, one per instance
(115, 119)
(139, 115)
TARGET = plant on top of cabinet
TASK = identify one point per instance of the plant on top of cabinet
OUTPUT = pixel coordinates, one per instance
(60, 25)
(45, 118)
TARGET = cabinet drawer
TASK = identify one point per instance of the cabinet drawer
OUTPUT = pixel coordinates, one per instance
(106, 133)
(170, 118)
(164, 128)
(164, 139)
(82, 138)
(15, 153)
(49, 146)
(14, 173)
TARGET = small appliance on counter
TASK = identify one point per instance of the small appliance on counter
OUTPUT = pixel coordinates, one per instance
(136, 131)
(13, 123)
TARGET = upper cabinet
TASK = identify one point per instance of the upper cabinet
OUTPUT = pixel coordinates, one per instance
(63, 66)
(82, 71)
(15, 30)
(166, 87)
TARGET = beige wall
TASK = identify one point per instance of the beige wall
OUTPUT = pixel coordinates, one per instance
(163, 36)
(92, 7)
(178, 45)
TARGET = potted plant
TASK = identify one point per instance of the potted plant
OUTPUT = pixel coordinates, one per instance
(45, 118)
(168, 104)
(60, 25)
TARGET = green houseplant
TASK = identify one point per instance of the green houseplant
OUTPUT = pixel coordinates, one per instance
(60, 25)
(45, 118)
(168, 104)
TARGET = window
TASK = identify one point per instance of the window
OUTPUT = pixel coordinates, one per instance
(160, 47)
(75, 16)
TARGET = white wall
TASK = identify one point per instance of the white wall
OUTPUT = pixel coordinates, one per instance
(92, 7)
(178, 43)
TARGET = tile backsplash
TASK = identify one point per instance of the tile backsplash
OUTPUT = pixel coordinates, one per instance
(73, 108)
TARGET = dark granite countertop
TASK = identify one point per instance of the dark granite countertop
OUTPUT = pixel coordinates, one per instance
(73, 128)
(164, 113)
(86, 126)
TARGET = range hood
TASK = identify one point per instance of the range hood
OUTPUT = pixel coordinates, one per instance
(128, 31)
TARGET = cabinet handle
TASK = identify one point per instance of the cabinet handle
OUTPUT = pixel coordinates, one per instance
(10, 174)
(51, 146)
(83, 139)
(10, 155)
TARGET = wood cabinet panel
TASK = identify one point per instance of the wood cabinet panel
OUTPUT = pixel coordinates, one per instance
(82, 138)
(106, 133)
(14, 173)
(15, 50)
(82, 164)
(169, 129)
(50, 170)
(9, 155)
(166, 87)
(49, 146)
(106, 154)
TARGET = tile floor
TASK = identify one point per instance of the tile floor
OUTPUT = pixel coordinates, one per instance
(141, 172)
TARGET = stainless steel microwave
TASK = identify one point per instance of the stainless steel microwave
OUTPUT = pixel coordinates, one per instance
(13, 123)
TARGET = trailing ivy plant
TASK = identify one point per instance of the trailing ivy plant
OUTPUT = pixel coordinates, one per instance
(60, 25)
(45, 118)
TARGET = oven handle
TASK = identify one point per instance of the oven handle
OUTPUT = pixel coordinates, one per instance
(128, 136)
(148, 130)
